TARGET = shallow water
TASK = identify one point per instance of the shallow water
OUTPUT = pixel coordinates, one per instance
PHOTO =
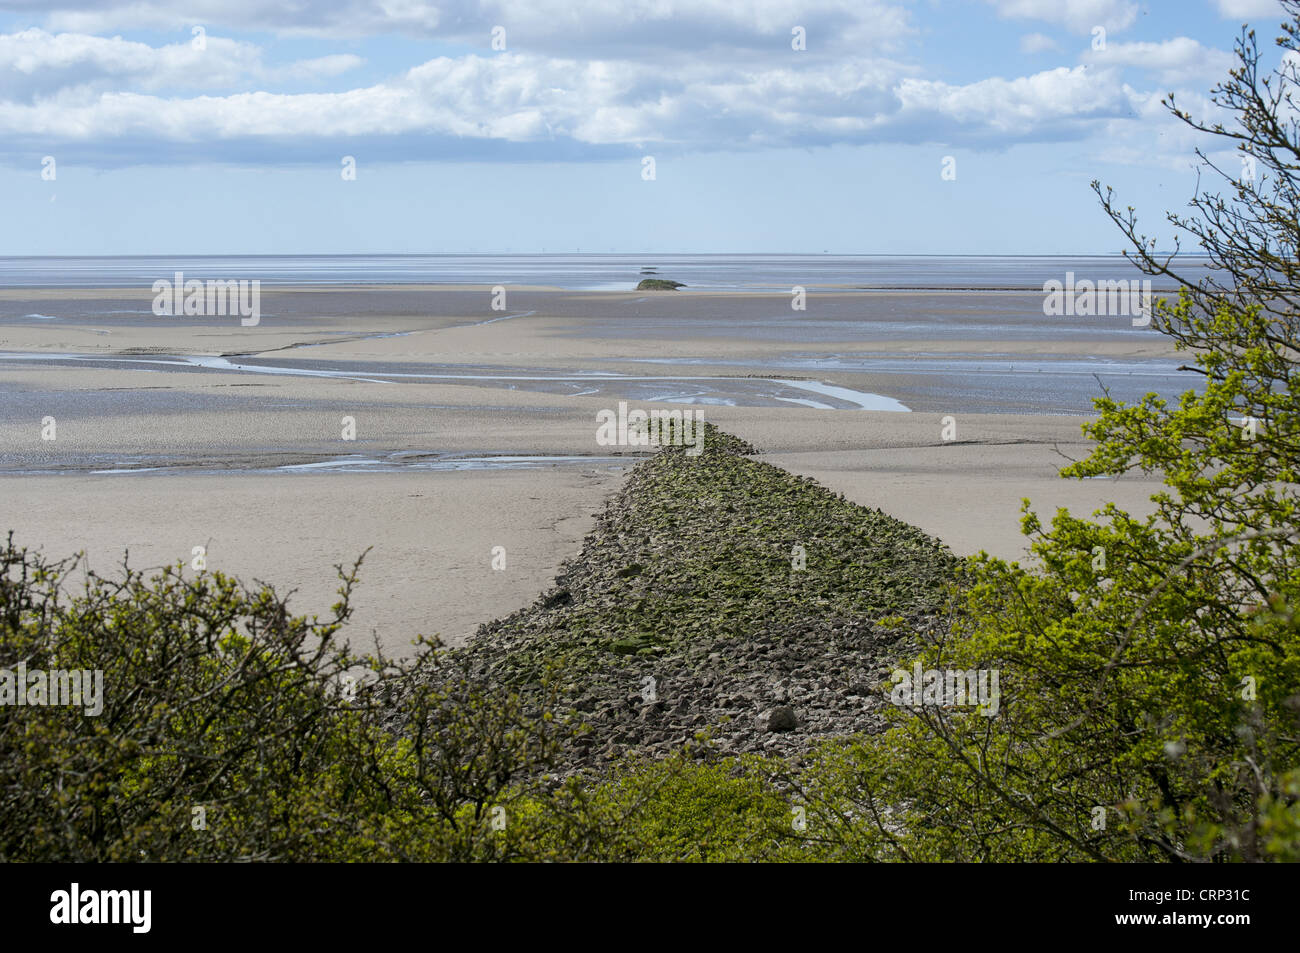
(402, 461)
(716, 390)
(577, 271)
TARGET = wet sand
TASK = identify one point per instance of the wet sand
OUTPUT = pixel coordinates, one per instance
(434, 381)
(431, 537)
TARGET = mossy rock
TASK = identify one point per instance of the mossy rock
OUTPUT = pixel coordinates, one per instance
(631, 646)
(659, 284)
(695, 550)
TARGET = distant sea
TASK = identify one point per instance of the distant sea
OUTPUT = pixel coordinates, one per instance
(584, 272)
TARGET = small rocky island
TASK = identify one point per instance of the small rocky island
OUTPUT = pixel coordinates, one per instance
(659, 284)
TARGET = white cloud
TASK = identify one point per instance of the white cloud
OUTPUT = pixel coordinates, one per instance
(1079, 16)
(310, 17)
(671, 82)
(538, 26)
(1181, 60)
(1037, 43)
(1246, 9)
(1019, 106)
(481, 105)
(1151, 139)
(35, 63)
(511, 97)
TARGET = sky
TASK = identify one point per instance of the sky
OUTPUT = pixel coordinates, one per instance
(483, 126)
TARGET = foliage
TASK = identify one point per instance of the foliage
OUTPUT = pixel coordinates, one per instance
(1150, 665)
(232, 729)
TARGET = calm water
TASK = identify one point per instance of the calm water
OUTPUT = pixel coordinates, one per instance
(580, 272)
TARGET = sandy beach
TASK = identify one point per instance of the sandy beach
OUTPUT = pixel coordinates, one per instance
(397, 418)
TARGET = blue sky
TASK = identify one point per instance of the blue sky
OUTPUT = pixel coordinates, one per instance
(231, 140)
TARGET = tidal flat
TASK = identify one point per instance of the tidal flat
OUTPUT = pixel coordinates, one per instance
(422, 423)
